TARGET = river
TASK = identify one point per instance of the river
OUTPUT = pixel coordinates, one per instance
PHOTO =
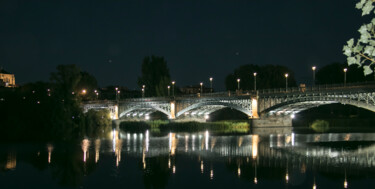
(194, 160)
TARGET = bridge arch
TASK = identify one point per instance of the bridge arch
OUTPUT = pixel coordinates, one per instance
(219, 106)
(149, 107)
(296, 105)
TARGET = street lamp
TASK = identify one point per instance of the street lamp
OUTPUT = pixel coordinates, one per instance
(286, 81)
(116, 89)
(118, 93)
(255, 81)
(345, 70)
(201, 87)
(143, 90)
(211, 83)
(169, 90)
(173, 82)
(96, 93)
(83, 91)
(313, 69)
(238, 84)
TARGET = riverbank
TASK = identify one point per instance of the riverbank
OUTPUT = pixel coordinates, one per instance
(159, 126)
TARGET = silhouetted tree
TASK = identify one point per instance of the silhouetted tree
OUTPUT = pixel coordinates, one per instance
(155, 76)
(334, 74)
(268, 76)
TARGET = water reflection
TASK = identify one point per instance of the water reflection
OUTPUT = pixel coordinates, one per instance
(294, 159)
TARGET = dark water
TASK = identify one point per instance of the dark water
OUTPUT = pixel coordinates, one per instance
(194, 160)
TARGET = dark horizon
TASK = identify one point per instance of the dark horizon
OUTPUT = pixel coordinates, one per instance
(198, 39)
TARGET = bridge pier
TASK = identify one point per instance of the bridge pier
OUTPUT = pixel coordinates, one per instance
(272, 121)
(116, 124)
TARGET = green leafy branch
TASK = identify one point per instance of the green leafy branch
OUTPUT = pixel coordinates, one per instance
(363, 52)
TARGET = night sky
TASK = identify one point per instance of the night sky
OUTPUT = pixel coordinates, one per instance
(199, 39)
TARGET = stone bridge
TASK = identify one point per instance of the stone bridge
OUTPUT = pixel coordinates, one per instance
(275, 107)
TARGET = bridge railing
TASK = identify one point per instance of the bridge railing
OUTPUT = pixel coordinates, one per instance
(327, 87)
(239, 93)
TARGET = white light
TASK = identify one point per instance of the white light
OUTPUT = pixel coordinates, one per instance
(147, 117)
(206, 116)
(292, 116)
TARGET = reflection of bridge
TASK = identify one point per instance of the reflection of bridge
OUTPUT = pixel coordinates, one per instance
(288, 147)
(276, 105)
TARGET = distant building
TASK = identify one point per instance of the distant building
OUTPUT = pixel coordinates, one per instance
(194, 89)
(7, 79)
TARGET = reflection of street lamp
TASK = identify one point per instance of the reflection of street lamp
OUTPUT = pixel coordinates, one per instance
(313, 69)
(345, 70)
(286, 81)
(255, 173)
(238, 84)
(201, 87)
(173, 82)
(255, 81)
(211, 83)
(169, 90)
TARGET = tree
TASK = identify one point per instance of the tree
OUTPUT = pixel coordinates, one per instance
(155, 76)
(268, 76)
(66, 78)
(362, 53)
(334, 73)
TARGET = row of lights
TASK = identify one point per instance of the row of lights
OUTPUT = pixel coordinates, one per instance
(173, 84)
(286, 78)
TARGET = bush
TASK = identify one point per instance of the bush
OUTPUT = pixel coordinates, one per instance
(320, 126)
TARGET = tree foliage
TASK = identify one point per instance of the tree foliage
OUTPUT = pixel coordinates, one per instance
(49, 111)
(362, 51)
(155, 76)
(268, 76)
(334, 74)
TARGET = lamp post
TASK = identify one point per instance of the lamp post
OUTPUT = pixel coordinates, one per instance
(201, 87)
(255, 81)
(286, 81)
(211, 83)
(238, 84)
(116, 89)
(118, 92)
(345, 70)
(96, 93)
(313, 69)
(169, 90)
(173, 82)
(143, 90)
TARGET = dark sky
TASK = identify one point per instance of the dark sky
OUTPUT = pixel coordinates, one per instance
(199, 39)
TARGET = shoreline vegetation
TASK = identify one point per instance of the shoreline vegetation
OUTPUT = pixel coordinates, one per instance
(162, 126)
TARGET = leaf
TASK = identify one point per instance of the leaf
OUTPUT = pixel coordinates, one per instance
(360, 4)
(350, 43)
(368, 50)
(347, 51)
(367, 8)
(365, 38)
(363, 29)
(358, 48)
(367, 70)
(352, 60)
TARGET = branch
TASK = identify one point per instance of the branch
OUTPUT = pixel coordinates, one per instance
(366, 57)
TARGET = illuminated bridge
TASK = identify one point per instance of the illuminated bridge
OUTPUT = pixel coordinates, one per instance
(276, 107)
